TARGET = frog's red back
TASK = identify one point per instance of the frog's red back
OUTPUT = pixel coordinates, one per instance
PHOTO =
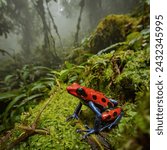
(89, 94)
(98, 98)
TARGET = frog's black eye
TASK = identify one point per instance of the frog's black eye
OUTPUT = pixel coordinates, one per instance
(81, 92)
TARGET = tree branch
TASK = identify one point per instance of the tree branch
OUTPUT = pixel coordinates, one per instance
(29, 130)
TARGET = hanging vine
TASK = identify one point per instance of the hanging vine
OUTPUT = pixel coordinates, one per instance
(82, 4)
(54, 26)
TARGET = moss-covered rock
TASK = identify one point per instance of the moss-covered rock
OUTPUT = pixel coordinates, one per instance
(112, 29)
(134, 73)
(133, 130)
(78, 55)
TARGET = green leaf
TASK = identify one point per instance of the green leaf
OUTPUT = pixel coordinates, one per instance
(49, 83)
(25, 75)
(56, 72)
(133, 36)
(64, 74)
(29, 99)
(38, 87)
(7, 95)
(9, 78)
(48, 79)
(72, 79)
(42, 68)
(11, 104)
(80, 67)
(145, 31)
(68, 65)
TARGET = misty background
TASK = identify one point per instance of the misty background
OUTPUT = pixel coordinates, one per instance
(41, 30)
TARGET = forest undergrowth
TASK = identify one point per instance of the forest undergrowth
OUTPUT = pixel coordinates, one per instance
(36, 110)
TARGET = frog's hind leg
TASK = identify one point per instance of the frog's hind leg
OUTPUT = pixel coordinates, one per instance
(89, 131)
(115, 122)
(86, 130)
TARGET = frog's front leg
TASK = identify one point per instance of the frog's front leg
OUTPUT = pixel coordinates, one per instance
(76, 112)
(97, 123)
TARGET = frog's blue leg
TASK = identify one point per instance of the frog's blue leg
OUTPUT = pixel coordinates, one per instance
(98, 115)
(114, 102)
(116, 121)
(97, 124)
(76, 112)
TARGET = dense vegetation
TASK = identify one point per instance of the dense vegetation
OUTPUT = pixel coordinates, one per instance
(113, 59)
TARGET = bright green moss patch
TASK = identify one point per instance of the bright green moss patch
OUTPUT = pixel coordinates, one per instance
(62, 134)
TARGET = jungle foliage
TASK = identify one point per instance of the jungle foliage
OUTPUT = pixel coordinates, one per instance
(35, 102)
(21, 90)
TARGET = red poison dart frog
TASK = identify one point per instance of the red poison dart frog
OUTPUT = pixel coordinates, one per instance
(107, 114)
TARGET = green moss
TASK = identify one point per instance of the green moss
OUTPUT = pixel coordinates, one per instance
(112, 29)
(133, 130)
(62, 134)
(78, 55)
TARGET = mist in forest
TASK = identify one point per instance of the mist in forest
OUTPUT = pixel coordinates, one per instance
(52, 25)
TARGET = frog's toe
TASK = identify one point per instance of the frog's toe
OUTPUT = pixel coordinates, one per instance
(74, 116)
(84, 137)
(88, 133)
(79, 130)
(86, 126)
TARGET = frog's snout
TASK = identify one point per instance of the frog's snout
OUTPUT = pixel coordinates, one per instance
(69, 88)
